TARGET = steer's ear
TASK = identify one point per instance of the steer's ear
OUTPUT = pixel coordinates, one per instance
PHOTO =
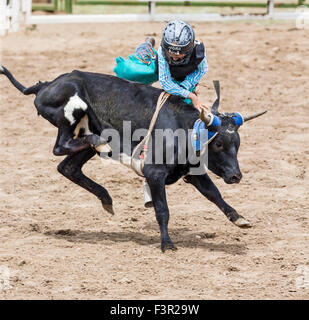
(238, 119)
(215, 106)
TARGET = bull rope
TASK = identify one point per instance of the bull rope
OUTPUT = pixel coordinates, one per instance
(138, 166)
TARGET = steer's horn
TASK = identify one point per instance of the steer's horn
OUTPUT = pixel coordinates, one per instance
(206, 117)
(215, 106)
(254, 115)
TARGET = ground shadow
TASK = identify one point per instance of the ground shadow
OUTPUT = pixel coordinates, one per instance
(180, 239)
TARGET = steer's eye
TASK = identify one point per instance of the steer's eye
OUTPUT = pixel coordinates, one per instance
(219, 145)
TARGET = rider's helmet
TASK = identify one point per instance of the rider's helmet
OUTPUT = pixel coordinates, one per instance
(177, 42)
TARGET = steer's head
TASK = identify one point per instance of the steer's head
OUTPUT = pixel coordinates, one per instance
(222, 150)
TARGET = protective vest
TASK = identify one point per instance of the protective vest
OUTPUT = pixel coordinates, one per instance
(180, 72)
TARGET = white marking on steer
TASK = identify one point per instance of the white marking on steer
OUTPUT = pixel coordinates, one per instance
(74, 103)
(104, 148)
(83, 124)
(229, 131)
(124, 159)
(1, 69)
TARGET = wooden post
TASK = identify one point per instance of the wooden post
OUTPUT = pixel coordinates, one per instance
(3, 17)
(26, 8)
(68, 6)
(55, 2)
(15, 14)
(270, 8)
(152, 8)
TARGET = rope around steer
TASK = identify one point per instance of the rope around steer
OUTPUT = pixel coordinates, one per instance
(138, 166)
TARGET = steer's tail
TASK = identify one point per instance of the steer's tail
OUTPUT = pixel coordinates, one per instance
(31, 90)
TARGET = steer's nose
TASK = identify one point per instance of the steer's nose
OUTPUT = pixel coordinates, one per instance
(235, 178)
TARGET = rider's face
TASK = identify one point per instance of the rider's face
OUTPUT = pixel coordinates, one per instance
(176, 57)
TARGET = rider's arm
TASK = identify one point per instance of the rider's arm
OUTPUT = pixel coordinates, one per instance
(194, 78)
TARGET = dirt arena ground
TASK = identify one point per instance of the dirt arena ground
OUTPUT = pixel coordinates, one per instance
(58, 243)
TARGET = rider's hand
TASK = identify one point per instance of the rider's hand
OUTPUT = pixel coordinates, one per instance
(196, 102)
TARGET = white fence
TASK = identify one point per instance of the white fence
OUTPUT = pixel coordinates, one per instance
(13, 13)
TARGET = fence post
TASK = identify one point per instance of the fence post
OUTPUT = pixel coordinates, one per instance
(55, 3)
(3, 20)
(68, 6)
(15, 14)
(270, 8)
(152, 8)
(26, 8)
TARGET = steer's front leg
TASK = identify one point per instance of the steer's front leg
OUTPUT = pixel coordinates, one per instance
(156, 182)
(207, 188)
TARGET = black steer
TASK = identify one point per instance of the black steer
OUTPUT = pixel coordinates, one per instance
(82, 104)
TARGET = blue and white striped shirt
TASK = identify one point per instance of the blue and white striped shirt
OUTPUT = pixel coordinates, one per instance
(190, 81)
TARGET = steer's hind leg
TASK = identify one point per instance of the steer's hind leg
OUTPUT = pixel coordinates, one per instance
(66, 144)
(207, 188)
(71, 168)
(156, 183)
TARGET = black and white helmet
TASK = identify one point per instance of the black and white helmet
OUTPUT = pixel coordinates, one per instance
(177, 39)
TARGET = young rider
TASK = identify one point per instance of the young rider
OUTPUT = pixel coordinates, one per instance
(181, 61)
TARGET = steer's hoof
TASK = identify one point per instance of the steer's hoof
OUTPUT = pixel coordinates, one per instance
(100, 142)
(241, 222)
(101, 145)
(148, 204)
(109, 208)
(168, 246)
